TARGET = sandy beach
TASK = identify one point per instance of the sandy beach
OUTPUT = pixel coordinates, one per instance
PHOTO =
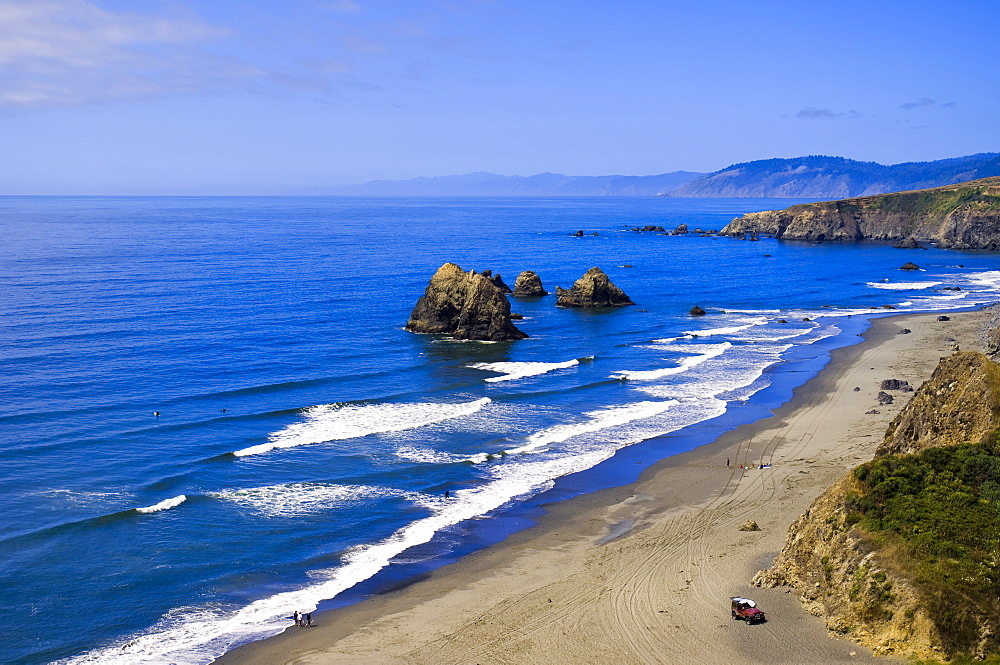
(642, 573)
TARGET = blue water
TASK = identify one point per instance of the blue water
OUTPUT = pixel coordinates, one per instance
(305, 441)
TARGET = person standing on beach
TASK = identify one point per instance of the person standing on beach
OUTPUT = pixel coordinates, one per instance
(309, 618)
(295, 617)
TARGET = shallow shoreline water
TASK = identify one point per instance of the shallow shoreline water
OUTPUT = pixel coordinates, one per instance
(593, 520)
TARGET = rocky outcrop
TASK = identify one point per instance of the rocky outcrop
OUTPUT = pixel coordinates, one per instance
(909, 265)
(896, 384)
(939, 413)
(465, 305)
(697, 311)
(594, 289)
(962, 216)
(497, 280)
(680, 230)
(528, 284)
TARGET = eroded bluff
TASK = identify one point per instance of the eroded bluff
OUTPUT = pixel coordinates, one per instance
(594, 289)
(869, 585)
(465, 305)
(961, 216)
(944, 411)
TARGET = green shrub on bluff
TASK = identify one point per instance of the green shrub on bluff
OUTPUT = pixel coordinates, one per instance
(938, 511)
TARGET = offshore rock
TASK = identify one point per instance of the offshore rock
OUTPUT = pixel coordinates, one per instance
(697, 311)
(907, 243)
(497, 280)
(464, 305)
(909, 265)
(680, 230)
(528, 284)
(960, 216)
(594, 289)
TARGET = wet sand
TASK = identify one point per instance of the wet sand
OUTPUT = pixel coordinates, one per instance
(642, 573)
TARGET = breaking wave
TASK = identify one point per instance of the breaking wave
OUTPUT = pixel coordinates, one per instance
(166, 504)
(333, 422)
(704, 351)
(511, 371)
(903, 286)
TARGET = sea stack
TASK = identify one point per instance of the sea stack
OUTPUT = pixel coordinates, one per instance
(465, 305)
(497, 280)
(528, 284)
(594, 289)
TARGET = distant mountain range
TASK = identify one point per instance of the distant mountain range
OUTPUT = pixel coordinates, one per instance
(810, 177)
(543, 184)
(818, 177)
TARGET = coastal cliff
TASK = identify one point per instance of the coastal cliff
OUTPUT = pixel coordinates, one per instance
(955, 405)
(465, 305)
(900, 554)
(961, 216)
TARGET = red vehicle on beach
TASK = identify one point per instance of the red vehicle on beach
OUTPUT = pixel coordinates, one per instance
(747, 610)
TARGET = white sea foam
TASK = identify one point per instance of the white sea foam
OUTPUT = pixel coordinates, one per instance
(166, 504)
(197, 635)
(597, 420)
(332, 422)
(777, 333)
(671, 340)
(737, 376)
(704, 351)
(296, 499)
(903, 286)
(425, 455)
(738, 327)
(511, 371)
(989, 280)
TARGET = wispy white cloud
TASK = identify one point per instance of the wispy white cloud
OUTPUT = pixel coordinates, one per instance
(80, 52)
(813, 113)
(925, 102)
(62, 52)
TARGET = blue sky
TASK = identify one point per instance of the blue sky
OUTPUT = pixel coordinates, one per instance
(255, 97)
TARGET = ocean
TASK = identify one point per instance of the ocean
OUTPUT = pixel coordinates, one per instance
(305, 443)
